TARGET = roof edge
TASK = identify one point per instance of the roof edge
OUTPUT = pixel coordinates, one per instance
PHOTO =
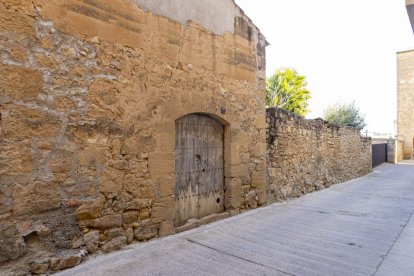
(405, 51)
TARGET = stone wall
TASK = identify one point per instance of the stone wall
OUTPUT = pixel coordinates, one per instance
(89, 94)
(89, 97)
(309, 155)
(405, 101)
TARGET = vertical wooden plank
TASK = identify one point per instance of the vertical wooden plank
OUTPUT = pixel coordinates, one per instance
(199, 185)
(211, 200)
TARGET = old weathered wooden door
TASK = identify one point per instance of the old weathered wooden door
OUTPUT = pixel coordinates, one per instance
(199, 163)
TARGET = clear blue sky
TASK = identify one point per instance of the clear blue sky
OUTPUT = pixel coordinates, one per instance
(346, 49)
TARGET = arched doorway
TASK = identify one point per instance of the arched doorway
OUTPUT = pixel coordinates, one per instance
(199, 167)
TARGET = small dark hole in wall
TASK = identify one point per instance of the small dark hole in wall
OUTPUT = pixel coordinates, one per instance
(32, 238)
(218, 200)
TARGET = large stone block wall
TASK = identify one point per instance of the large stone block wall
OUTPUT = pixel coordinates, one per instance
(89, 95)
(309, 155)
(405, 101)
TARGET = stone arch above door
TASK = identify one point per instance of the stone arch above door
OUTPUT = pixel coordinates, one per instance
(162, 163)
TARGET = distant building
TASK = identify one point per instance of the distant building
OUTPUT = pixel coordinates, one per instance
(405, 98)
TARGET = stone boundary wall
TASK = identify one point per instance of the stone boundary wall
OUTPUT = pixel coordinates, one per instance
(308, 155)
(89, 97)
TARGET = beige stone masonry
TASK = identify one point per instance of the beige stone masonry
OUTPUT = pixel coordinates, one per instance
(89, 96)
(405, 101)
(309, 155)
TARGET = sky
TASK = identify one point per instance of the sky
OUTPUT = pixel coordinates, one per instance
(346, 50)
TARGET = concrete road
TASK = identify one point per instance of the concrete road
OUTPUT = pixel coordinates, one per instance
(361, 227)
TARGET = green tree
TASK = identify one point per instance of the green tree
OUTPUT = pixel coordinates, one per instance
(286, 89)
(345, 115)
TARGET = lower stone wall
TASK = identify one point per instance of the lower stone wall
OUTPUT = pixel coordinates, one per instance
(308, 155)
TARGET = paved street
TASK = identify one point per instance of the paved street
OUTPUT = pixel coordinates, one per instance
(361, 227)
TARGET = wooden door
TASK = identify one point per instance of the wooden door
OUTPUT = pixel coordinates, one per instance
(199, 163)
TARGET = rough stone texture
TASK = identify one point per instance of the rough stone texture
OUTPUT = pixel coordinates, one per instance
(308, 155)
(361, 227)
(89, 95)
(405, 101)
(39, 267)
(12, 244)
(59, 263)
(114, 244)
(145, 232)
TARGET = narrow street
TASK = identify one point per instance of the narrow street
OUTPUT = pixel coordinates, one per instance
(361, 227)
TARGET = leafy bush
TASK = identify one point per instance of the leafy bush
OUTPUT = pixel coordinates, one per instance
(345, 115)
